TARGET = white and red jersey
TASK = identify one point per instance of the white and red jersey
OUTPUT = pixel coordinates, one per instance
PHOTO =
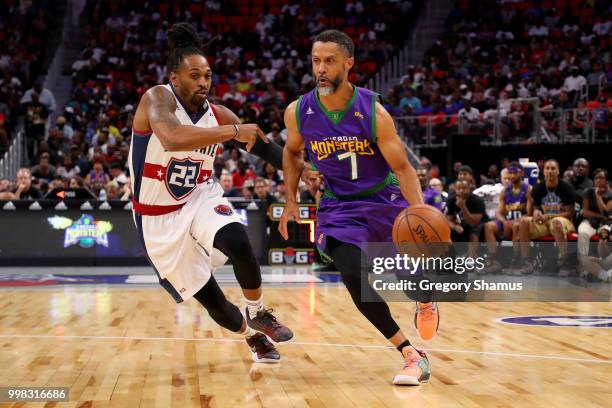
(163, 181)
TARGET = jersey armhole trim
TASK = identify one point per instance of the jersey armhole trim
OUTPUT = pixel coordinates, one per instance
(297, 114)
(374, 97)
(214, 111)
(143, 133)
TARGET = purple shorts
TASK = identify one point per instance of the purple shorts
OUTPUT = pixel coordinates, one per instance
(359, 221)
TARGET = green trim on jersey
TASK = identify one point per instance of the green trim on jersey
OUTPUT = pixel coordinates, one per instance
(297, 114)
(336, 116)
(389, 180)
(374, 118)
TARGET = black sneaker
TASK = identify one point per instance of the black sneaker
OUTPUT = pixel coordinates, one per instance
(266, 323)
(262, 349)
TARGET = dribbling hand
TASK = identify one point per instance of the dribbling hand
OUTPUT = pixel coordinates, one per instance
(248, 133)
(290, 213)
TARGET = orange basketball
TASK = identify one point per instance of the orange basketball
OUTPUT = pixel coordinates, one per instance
(421, 229)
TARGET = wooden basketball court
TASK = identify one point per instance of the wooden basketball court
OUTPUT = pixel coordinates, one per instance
(137, 348)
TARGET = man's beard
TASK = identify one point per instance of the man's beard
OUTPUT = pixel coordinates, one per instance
(331, 88)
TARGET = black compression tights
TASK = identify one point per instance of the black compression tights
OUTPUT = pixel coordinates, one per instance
(347, 258)
(233, 241)
(223, 312)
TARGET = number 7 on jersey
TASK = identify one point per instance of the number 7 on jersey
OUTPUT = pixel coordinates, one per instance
(353, 157)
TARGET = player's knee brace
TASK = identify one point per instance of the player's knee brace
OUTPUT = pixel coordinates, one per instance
(233, 241)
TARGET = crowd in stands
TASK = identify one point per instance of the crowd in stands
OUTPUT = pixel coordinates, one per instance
(494, 52)
(259, 55)
(23, 35)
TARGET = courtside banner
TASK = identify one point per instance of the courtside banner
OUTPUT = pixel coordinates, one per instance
(85, 233)
(485, 273)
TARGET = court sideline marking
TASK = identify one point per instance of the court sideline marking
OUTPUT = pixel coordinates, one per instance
(303, 343)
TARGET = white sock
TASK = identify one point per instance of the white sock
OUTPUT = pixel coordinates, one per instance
(248, 332)
(254, 306)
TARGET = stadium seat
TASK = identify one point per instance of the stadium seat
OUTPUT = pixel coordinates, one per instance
(196, 8)
(218, 20)
(235, 21)
(593, 105)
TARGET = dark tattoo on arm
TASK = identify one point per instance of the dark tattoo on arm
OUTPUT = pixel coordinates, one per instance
(161, 108)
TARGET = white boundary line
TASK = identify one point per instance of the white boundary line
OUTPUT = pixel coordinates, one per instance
(500, 320)
(304, 343)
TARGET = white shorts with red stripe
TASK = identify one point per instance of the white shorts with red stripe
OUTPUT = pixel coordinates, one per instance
(180, 243)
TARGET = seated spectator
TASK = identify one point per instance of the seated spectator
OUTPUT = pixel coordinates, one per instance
(581, 181)
(271, 174)
(512, 205)
(65, 128)
(76, 182)
(242, 173)
(112, 190)
(262, 191)
(430, 196)
(466, 215)
(227, 184)
(5, 190)
(467, 174)
(57, 182)
(492, 176)
(436, 184)
(248, 189)
(117, 174)
(551, 208)
(23, 187)
(68, 169)
(97, 178)
(596, 208)
(233, 157)
(568, 176)
(43, 170)
(313, 191)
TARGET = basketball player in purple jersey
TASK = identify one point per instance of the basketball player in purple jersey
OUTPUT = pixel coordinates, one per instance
(352, 141)
(512, 206)
(186, 226)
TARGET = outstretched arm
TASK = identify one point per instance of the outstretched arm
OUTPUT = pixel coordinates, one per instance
(392, 149)
(156, 112)
(267, 150)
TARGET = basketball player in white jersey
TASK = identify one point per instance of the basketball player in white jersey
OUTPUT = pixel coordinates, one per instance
(185, 225)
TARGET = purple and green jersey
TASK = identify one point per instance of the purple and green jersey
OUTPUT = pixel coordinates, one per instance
(362, 196)
(433, 198)
(516, 204)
